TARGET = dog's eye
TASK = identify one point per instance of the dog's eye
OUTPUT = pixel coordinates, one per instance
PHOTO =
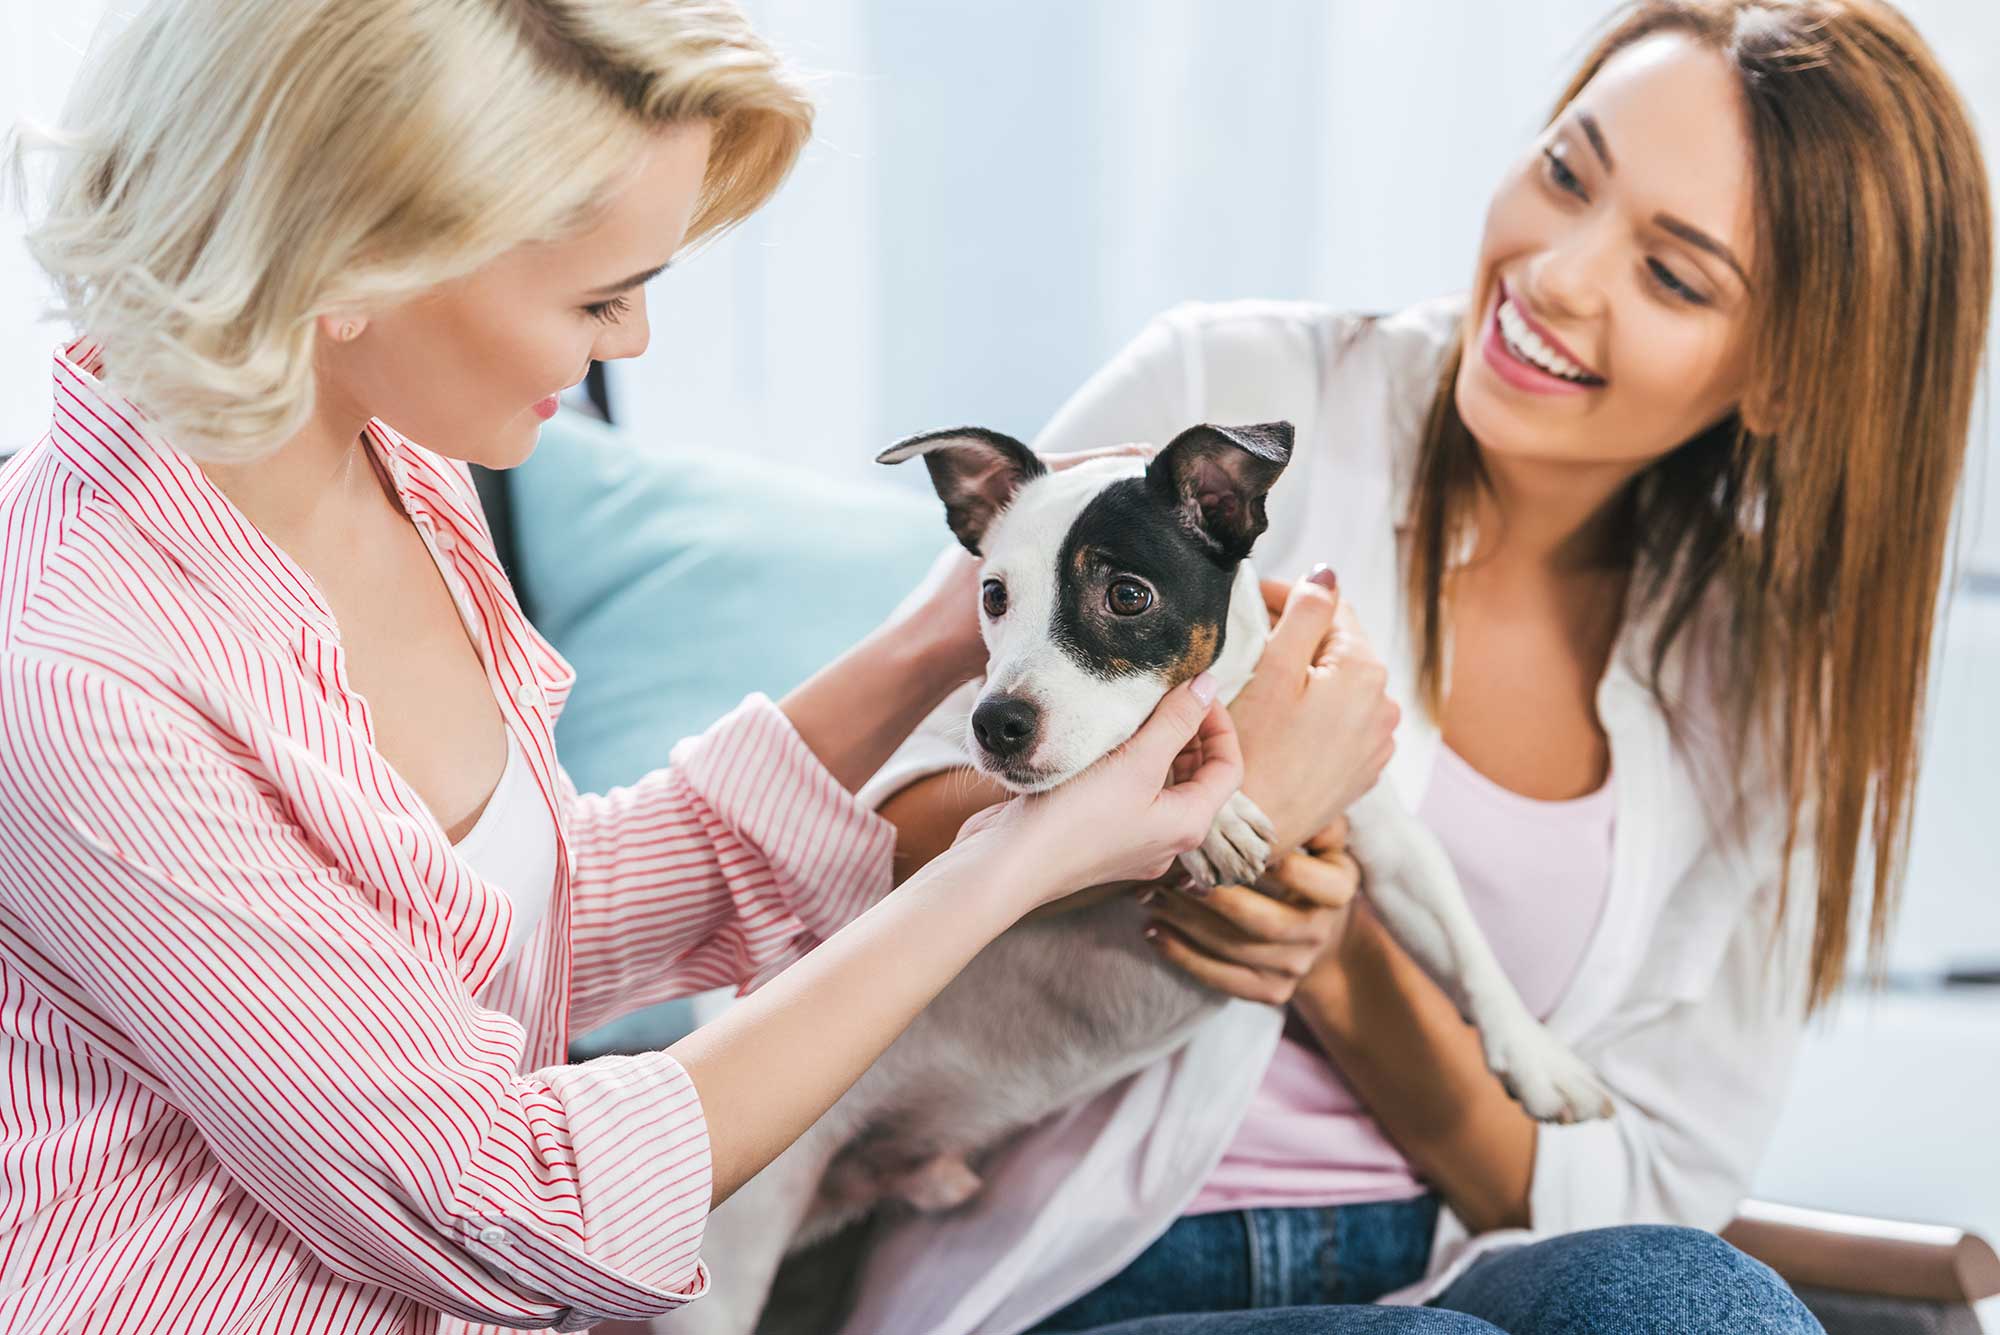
(1128, 597)
(993, 597)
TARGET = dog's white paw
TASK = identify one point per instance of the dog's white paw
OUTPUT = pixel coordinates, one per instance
(1543, 1075)
(1237, 847)
(943, 1183)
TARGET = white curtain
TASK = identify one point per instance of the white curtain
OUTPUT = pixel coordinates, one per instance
(1003, 191)
(42, 42)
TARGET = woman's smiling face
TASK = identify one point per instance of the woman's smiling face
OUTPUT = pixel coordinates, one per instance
(1614, 275)
(473, 368)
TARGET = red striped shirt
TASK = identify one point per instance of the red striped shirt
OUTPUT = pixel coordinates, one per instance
(261, 1066)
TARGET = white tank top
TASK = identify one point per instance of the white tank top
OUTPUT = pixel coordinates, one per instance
(513, 845)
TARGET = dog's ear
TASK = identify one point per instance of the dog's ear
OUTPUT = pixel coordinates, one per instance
(1218, 476)
(976, 473)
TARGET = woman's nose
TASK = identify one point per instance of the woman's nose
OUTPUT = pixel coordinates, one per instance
(629, 337)
(1571, 277)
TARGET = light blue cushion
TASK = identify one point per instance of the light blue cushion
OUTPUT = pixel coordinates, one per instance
(677, 581)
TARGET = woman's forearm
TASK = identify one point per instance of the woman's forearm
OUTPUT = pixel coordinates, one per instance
(1419, 1069)
(928, 812)
(857, 710)
(768, 1067)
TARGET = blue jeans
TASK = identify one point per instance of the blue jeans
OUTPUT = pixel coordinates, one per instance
(1304, 1272)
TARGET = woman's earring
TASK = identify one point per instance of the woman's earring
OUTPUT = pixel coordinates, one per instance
(348, 330)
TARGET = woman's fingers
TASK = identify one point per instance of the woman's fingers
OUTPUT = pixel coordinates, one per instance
(1325, 880)
(1275, 592)
(1306, 621)
(1332, 839)
(1220, 771)
(1244, 915)
(1236, 980)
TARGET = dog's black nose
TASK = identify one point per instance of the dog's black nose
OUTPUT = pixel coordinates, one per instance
(1006, 726)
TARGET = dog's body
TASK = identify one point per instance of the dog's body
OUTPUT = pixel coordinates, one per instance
(1060, 1008)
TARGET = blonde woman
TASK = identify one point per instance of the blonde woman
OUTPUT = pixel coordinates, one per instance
(1649, 526)
(297, 908)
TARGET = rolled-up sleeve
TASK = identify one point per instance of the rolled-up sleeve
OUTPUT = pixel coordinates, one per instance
(738, 854)
(329, 1053)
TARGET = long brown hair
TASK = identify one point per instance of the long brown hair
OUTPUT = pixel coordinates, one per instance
(1822, 506)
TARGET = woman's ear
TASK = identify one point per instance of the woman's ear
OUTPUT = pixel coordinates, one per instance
(342, 328)
(1760, 412)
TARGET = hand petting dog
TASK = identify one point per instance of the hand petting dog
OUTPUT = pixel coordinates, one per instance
(1260, 943)
(1320, 678)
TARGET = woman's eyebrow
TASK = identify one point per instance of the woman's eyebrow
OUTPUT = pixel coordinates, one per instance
(1595, 134)
(1666, 222)
(1701, 240)
(612, 289)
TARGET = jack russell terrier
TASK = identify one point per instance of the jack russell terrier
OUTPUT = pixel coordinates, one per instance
(1103, 587)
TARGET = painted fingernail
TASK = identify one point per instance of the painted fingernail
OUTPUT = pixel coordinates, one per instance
(1323, 576)
(1203, 687)
(1153, 935)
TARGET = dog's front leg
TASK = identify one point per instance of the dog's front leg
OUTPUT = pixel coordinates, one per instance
(1237, 847)
(1415, 891)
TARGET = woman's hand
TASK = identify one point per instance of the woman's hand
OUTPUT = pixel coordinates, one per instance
(1127, 817)
(941, 615)
(1316, 723)
(1260, 944)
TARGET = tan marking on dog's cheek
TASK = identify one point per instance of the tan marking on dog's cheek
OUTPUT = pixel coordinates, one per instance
(1204, 644)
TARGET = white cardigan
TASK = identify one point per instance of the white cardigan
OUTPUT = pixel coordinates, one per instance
(1684, 1000)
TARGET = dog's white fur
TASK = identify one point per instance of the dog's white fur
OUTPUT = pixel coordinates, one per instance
(1060, 1008)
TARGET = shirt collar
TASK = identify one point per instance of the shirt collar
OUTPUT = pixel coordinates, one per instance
(114, 446)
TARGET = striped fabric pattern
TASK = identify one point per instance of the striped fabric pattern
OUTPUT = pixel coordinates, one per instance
(262, 1068)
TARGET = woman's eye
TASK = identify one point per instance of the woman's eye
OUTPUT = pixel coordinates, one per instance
(1559, 172)
(609, 312)
(1666, 279)
(993, 597)
(1128, 597)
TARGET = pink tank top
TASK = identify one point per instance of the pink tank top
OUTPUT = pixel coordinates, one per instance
(1535, 874)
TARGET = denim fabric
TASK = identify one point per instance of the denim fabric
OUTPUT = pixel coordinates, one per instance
(1638, 1280)
(1253, 1259)
(1290, 1272)
(1309, 1321)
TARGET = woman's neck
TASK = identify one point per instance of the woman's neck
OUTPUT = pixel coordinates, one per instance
(305, 495)
(1549, 518)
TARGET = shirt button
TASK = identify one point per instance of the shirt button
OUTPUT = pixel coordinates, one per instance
(494, 1237)
(528, 695)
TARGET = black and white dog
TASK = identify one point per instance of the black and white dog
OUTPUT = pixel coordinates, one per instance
(1103, 586)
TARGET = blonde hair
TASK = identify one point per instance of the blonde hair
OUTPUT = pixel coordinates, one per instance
(231, 170)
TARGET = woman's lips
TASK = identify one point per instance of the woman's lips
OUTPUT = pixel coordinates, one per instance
(1544, 333)
(547, 408)
(1520, 374)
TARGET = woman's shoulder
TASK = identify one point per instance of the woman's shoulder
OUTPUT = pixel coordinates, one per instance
(1260, 340)
(89, 601)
